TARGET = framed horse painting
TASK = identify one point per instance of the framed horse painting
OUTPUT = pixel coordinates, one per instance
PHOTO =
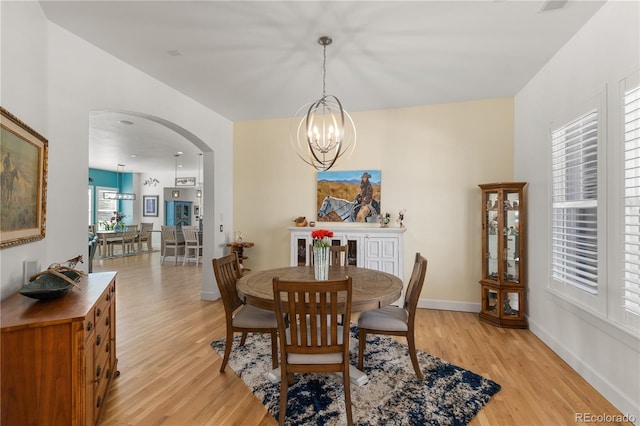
(349, 196)
(23, 153)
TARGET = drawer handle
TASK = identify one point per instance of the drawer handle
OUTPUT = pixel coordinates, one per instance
(99, 401)
(98, 340)
(106, 347)
(107, 321)
(108, 373)
(108, 297)
(98, 371)
(99, 312)
(90, 326)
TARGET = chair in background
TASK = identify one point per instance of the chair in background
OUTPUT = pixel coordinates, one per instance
(170, 242)
(394, 320)
(241, 318)
(94, 243)
(338, 255)
(191, 243)
(145, 236)
(127, 239)
(314, 342)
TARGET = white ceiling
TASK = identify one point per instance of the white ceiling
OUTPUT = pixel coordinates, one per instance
(260, 59)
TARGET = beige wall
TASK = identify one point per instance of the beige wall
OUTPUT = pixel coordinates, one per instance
(432, 158)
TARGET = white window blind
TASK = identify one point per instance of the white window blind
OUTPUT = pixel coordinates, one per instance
(574, 161)
(631, 293)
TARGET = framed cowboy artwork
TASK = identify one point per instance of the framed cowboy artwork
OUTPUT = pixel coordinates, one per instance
(23, 153)
(348, 196)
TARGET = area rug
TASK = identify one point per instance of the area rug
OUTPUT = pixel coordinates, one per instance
(449, 395)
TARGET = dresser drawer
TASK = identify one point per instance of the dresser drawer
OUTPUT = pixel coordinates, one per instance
(102, 307)
(101, 390)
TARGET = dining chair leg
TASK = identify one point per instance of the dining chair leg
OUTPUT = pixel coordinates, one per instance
(243, 339)
(346, 383)
(284, 388)
(414, 356)
(362, 341)
(227, 349)
(274, 350)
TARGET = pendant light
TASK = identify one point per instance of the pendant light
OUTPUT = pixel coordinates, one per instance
(119, 195)
(325, 133)
(199, 190)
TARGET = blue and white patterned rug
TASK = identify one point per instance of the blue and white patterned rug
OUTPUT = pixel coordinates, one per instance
(449, 395)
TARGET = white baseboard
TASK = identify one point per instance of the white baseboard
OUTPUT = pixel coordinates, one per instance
(449, 305)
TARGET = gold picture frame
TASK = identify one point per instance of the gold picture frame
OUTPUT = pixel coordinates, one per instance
(24, 155)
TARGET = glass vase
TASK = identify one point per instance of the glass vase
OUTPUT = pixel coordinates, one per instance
(321, 262)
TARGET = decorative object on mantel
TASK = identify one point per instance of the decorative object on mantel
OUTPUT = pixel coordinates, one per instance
(321, 253)
(55, 281)
(300, 221)
(385, 219)
(325, 133)
(151, 182)
(400, 219)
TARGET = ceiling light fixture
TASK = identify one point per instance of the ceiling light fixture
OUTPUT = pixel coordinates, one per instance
(326, 132)
(119, 195)
(175, 181)
(199, 190)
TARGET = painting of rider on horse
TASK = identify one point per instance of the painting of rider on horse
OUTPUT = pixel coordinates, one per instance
(348, 196)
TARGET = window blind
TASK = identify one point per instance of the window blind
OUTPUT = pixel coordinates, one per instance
(574, 163)
(631, 294)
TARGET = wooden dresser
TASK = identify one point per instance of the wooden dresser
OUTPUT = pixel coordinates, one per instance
(58, 357)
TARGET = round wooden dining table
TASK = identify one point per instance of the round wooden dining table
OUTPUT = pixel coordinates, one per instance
(371, 289)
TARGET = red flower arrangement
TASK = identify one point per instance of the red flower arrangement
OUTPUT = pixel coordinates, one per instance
(321, 237)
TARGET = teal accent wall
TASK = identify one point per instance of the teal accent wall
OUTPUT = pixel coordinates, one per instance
(109, 179)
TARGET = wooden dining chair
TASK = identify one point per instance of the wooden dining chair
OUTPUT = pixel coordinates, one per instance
(191, 243)
(338, 255)
(127, 239)
(395, 320)
(170, 242)
(145, 236)
(239, 317)
(313, 342)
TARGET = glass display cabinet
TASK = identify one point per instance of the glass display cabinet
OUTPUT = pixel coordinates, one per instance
(503, 286)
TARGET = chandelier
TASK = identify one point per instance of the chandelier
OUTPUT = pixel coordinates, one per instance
(326, 132)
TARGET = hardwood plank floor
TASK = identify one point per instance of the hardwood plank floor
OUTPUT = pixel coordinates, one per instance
(169, 373)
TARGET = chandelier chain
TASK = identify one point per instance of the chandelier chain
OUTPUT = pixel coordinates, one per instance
(324, 70)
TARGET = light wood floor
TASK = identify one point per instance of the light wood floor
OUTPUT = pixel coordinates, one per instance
(169, 373)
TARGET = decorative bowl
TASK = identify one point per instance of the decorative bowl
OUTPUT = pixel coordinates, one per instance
(48, 286)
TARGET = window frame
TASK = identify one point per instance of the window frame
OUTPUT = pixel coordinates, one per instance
(594, 303)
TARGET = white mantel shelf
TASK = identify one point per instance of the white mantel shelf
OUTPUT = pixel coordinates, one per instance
(377, 230)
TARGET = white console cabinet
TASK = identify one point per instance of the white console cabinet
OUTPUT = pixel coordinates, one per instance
(374, 248)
